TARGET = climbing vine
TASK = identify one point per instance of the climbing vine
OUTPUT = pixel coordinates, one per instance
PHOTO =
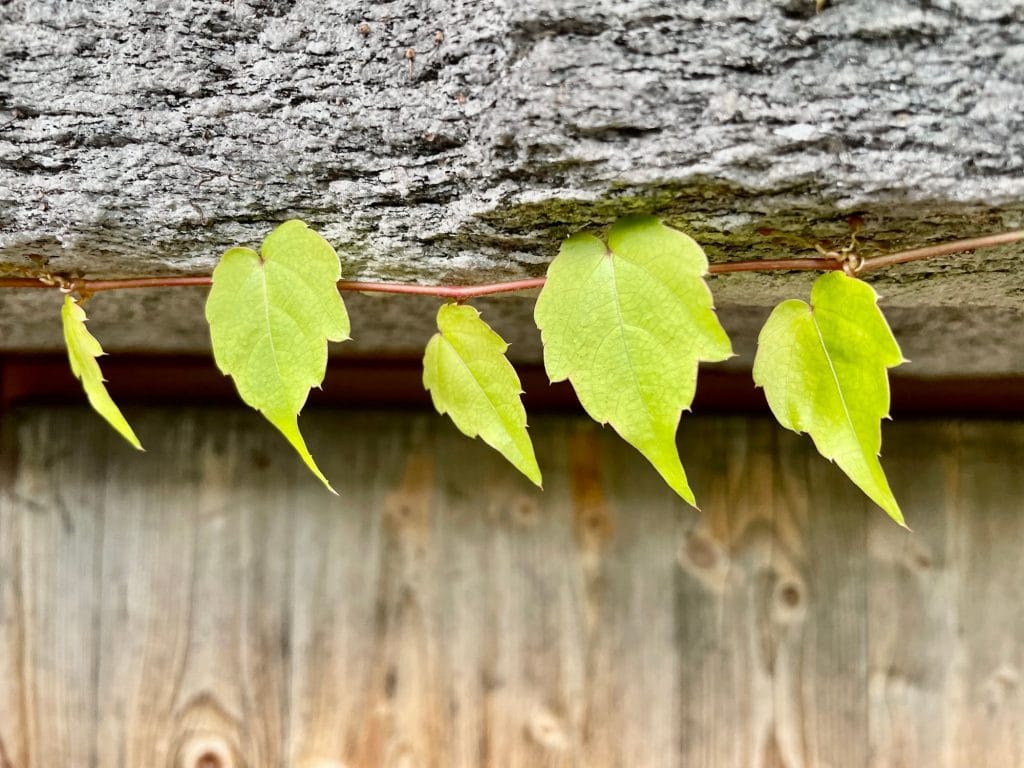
(627, 321)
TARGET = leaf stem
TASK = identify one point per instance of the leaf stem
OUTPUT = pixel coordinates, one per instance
(464, 292)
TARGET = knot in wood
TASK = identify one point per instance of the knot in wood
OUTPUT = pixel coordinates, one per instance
(207, 751)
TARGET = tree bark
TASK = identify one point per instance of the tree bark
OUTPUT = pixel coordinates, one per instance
(447, 141)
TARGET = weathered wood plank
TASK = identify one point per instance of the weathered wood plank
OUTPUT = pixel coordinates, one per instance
(206, 604)
(947, 619)
(54, 509)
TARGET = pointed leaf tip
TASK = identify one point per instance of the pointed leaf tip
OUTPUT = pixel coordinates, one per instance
(824, 370)
(83, 349)
(288, 425)
(271, 315)
(470, 379)
(628, 323)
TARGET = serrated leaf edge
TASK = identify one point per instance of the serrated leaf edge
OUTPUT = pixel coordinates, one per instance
(86, 369)
(286, 424)
(894, 512)
(440, 338)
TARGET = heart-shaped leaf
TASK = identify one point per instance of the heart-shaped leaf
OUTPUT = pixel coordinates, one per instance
(627, 324)
(824, 369)
(271, 315)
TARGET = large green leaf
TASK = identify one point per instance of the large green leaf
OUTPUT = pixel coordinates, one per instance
(271, 315)
(83, 349)
(469, 378)
(823, 367)
(628, 324)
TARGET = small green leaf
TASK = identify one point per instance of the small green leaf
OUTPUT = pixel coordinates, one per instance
(271, 315)
(628, 324)
(83, 349)
(823, 367)
(469, 378)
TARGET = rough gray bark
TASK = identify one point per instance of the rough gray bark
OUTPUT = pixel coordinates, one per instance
(140, 138)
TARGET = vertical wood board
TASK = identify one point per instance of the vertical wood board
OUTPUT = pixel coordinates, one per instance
(207, 605)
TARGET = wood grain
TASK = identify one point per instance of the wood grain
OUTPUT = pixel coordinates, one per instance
(206, 605)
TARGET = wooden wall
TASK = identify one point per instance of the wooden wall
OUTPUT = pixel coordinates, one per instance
(208, 605)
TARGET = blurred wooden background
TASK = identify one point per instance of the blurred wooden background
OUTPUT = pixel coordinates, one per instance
(208, 605)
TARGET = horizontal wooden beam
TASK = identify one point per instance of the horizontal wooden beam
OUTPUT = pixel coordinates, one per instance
(396, 383)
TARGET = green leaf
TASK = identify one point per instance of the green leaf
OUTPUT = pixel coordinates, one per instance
(469, 378)
(823, 367)
(271, 315)
(628, 324)
(83, 349)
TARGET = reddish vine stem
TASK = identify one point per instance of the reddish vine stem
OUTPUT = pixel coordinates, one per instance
(832, 261)
(454, 292)
(944, 249)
